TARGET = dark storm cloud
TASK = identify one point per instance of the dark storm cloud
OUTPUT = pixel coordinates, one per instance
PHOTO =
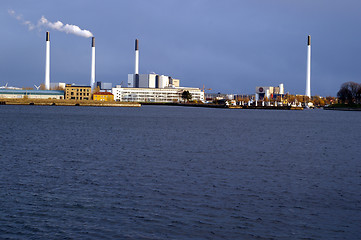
(230, 46)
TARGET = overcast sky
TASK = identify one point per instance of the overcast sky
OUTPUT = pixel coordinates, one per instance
(231, 46)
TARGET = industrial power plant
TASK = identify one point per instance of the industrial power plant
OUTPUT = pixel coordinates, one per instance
(145, 87)
(152, 87)
(140, 87)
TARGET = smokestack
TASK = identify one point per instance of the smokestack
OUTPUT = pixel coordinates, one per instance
(308, 77)
(136, 57)
(92, 75)
(47, 62)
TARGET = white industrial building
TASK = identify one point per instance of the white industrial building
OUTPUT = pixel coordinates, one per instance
(151, 81)
(269, 92)
(155, 94)
(154, 88)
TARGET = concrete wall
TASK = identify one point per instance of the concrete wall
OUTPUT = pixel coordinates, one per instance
(163, 81)
(175, 82)
(143, 80)
(130, 80)
(152, 80)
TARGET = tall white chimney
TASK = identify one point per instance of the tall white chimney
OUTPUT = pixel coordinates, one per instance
(308, 78)
(136, 57)
(92, 76)
(47, 62)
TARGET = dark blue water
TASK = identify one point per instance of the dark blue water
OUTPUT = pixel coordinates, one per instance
(179, 173)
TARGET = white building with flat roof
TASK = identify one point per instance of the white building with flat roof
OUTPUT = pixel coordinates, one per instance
(155, 94)
(269, 92)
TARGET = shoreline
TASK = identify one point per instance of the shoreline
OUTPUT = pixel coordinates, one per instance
(342, 109)
(62, 102)
(224, 106)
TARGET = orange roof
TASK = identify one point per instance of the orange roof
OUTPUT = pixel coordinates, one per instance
(102, 93)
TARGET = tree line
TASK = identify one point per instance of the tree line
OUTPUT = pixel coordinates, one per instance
(350, 93)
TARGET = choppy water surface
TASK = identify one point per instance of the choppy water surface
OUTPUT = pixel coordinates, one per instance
(179, 173)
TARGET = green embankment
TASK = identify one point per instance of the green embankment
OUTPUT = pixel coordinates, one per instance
(343, 107)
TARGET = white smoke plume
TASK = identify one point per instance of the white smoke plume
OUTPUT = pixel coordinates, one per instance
(59, 26)
(20, 18)
(67, 28)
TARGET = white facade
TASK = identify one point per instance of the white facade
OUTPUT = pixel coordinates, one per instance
(151, 80)
(131, 80)
(147, 80)
(155, 94)
(268, 91)
(282, 89)
(163, 81)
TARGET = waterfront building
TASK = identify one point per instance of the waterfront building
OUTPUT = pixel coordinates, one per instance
(155, 94)
(154, 88)
(269, 92)
(103, 96)
(33, 94)
(77, 92)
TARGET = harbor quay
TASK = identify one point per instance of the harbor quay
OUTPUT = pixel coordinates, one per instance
(62, 102)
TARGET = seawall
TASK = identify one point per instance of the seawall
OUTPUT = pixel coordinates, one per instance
(342, 109)
(224, 106)
(61, 102)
